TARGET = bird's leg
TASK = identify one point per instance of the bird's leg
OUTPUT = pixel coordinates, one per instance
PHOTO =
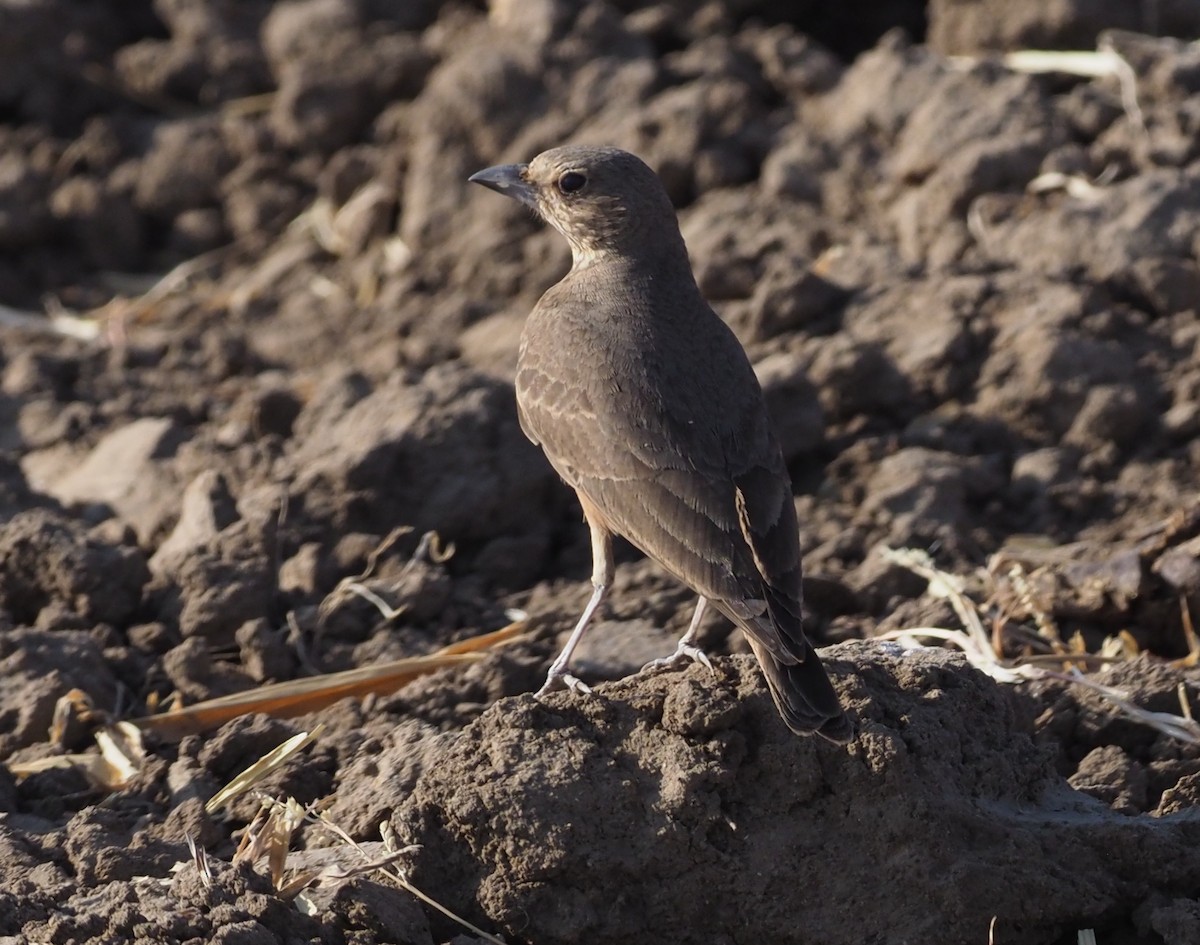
(686, 649)
(602, 572)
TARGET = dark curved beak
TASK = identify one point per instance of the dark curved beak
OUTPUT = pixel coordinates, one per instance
(507, 179)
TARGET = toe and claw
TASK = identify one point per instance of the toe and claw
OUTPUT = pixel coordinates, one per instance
(684, 654)
(557, 681)
(687, 651)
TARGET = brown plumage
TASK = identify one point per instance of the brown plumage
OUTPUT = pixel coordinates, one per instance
(646, 404)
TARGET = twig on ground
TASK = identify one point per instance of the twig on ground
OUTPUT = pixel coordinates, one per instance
(1104, 62)
(1047, 628)
(301, 696)
(1189, 634)
(61, 323)
(1180, 727)
(976, 647)
(200, 861)
(353, 584)
(389, 868)
(266, 765)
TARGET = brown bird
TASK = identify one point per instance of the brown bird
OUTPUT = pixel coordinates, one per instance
(646, 404)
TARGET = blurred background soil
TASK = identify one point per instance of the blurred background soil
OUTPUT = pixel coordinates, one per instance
(253, 321)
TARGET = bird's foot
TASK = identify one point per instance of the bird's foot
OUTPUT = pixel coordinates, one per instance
(558, 679)
(684, 653)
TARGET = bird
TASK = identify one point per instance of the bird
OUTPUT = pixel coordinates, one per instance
(646, 404)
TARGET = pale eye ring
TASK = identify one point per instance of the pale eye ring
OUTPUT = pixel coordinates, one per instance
(571, 183)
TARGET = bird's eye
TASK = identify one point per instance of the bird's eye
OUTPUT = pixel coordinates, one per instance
(571, 182)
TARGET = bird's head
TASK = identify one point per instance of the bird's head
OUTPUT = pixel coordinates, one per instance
(603, 200)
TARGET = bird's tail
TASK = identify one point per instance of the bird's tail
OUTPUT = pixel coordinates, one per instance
(804, 695)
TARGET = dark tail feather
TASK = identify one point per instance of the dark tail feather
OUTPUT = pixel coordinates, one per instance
(804, 695)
